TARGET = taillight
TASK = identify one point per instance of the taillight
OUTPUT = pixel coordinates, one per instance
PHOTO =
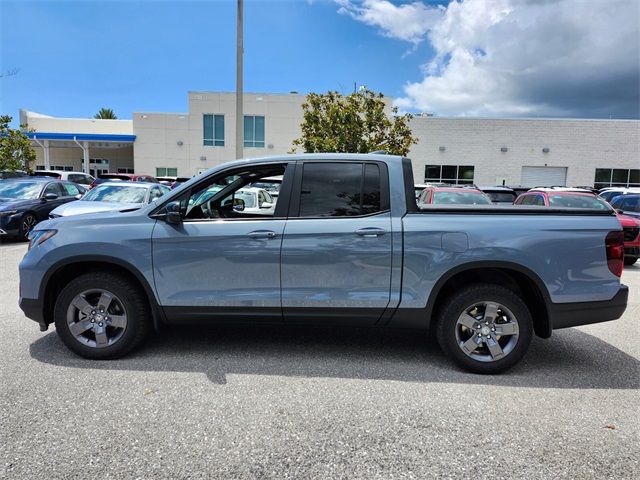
(614, 244)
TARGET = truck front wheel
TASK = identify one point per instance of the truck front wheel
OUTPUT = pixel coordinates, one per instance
(101, 315)
(484, 328)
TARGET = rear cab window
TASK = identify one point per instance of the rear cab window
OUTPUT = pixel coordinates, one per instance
(341, 189)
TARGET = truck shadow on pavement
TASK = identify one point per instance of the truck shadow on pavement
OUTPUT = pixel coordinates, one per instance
(570, 359)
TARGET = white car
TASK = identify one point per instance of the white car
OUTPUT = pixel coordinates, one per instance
(81, 178)
(270, 184)
(112, 196)
(256, 200)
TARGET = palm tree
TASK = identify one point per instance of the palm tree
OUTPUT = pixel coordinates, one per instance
(105, 114)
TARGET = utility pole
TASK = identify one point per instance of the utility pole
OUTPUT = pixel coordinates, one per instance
(239, 87)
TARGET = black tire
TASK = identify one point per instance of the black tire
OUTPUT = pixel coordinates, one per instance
(133, 300)
(457, 303)
(27, 222)
(630, 260)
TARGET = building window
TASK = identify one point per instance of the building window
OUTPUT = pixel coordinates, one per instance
(213, 132)
(254, 131)
(166, 172)
(61, 168)
(455, 174)
(125, 170)
(617, 177)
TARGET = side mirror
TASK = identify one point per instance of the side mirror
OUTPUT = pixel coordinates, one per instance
(50, 196)
(266, 205)
(173, 214)
(238, 205)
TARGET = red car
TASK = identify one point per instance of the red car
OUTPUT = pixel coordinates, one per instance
(631, 230)
(127, 177)
(564, 197)
(453, 196)
(580, 198)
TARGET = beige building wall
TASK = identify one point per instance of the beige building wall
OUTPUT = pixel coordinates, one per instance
(45, 123)
(580, 145)
(176, 139)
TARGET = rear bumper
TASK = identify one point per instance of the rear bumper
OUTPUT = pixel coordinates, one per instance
(631, 251)
(565, 315)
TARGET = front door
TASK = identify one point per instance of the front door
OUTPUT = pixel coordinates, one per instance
(219, 263)
(336, 251)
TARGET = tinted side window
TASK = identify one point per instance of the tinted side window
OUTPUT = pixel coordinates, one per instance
(527, 200)
(538, 200)
(52, 188)
(339, 189)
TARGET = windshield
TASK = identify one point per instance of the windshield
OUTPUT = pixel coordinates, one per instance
(117, 194)
(577, 201)
(461, 198)
(20, 190)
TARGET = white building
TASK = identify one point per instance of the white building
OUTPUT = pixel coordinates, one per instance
(484, 151)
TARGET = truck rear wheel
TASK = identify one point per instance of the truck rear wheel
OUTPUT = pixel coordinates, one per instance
(101, 315)
(484, 328)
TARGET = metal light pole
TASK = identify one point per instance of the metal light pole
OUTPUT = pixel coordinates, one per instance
(239, 99)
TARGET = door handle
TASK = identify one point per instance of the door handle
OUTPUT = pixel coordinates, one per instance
(262, 234)
(370, 232)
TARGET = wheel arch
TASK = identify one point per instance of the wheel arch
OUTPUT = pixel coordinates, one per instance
(516, 277)
(61, 272)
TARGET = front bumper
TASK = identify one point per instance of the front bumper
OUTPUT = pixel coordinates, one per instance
(564, 315)
(34, 309)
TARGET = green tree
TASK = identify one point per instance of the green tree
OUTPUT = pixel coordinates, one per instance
(355, 123)
(16, 152)
(105, 114)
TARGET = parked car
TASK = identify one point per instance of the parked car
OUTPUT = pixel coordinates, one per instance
(518, 189)
(166, 180)
(560, 197)
(346, 245)
(270, 184)
(179, 181)
(255, 200)
(631, 231)
(627, 204)
(609, 194)
(112, 196)
(12, 174)
(80, 178)
(26, 201)
(453, 196)
(500, 195)
(125, 177)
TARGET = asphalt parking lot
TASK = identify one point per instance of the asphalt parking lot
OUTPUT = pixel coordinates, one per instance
(249, 402)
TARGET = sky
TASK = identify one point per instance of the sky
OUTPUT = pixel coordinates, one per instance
(491, 58)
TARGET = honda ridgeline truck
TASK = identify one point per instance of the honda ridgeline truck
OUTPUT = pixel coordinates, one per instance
(345, 245)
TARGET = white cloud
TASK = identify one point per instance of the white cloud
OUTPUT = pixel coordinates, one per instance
(409, 22)
(519, 57)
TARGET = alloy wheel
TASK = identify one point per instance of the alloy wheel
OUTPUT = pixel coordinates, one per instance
(487, 331)
(96, 318)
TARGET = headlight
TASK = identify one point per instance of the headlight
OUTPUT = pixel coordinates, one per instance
(6, 213)
(36, 237)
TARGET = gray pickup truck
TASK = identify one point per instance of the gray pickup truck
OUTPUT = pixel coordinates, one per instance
(345, 245)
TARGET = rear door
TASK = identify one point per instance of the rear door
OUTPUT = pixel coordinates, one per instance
(336, 248)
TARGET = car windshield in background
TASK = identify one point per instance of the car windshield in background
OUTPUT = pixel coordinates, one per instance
(460, 198)
(577, 201)
(268, 186)
(116, 194)
(501, 197)
(20, 190)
